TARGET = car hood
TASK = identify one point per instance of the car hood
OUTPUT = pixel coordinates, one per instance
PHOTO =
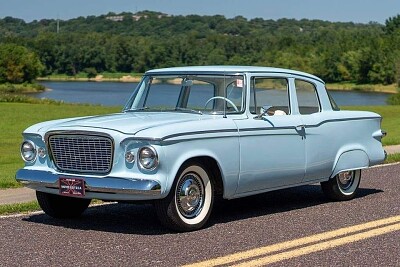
(127, 123)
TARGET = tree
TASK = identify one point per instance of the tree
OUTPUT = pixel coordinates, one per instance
(392, 24)
(335, 51)
(90, 72)
(18, 64)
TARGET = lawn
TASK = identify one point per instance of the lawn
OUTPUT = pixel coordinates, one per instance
(390, 123)
(15, 117)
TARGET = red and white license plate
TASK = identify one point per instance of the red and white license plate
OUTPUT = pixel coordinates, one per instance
(72, 187)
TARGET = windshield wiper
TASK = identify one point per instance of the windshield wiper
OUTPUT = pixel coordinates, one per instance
(189, 110)
(137, 109)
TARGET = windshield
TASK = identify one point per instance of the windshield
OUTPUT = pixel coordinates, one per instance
(210, 94)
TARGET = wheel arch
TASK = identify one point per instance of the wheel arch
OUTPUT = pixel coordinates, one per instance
(207, 161)
(215, 171)
(350, 160)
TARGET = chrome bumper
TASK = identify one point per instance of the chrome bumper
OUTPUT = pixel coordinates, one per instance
(45, 181)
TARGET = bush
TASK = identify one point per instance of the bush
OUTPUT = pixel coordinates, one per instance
(394, 99)
(91, 72)
(21, 88)
(15, 98)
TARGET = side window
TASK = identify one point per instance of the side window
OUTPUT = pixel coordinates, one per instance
(307, 97)
(332, 101)
(271, 93)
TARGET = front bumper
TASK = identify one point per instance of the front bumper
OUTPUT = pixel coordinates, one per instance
(105, 188)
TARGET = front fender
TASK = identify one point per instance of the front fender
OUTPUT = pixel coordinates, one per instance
(226, 154)
(351, 160)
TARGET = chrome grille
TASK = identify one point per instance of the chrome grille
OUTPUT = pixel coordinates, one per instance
(82, 153)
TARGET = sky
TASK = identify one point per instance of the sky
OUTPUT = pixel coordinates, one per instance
(359, 11)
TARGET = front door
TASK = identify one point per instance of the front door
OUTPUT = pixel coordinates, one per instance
(272, 147)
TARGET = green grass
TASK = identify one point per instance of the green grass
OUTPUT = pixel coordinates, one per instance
(390, 122)
(15, 117)
(392, 158)
(19, 208)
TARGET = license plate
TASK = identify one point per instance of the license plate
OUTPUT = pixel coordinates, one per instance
(72, 187)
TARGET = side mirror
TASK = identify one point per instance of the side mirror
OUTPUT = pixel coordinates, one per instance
(263, 112)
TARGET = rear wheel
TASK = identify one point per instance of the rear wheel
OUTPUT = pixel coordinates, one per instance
(343, 186)
(61, 207)
(189, 203)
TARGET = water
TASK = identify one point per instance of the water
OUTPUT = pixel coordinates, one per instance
(104, 93)
(117, 94)
(354, 98)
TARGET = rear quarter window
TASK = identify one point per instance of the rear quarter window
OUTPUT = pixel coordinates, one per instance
(307, 97)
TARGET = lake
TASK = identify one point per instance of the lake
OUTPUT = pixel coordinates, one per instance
(117, 94)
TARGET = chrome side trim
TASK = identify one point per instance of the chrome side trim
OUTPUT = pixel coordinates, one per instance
(339, 120)
(199, 132)
(112, 185)
(272, 128)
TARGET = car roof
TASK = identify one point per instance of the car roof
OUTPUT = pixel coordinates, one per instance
(229, 69)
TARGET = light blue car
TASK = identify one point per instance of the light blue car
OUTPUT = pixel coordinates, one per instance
(189, 134)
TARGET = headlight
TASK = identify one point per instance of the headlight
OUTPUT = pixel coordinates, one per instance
(148, 157)
(28, 151)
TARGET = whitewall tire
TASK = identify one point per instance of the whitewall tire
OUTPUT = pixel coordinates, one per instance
(343, 186)
(189, 203)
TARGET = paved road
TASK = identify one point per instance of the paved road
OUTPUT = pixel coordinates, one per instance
(282, 227)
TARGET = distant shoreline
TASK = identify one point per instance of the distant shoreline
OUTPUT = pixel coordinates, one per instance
(375, 88)
(98, 78)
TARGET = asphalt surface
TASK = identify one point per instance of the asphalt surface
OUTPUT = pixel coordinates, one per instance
(130, 235)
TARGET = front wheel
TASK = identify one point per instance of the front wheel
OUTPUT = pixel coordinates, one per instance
(189, 203)
(343, 186)
(60, 206)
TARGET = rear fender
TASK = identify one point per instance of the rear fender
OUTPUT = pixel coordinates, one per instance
(351, 160)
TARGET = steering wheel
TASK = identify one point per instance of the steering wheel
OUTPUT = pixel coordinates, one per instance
(223, 98)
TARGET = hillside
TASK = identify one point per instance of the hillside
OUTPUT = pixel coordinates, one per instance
(127, 42)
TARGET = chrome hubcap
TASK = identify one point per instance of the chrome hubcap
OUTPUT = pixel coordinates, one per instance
(346, 179)
(190, 195)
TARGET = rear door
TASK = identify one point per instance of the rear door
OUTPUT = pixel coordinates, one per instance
(320, 134)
